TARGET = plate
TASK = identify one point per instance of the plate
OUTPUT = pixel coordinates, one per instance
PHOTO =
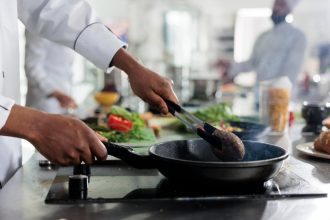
(308, 149)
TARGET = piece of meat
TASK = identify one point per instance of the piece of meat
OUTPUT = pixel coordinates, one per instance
(322, 142)
(232, 147)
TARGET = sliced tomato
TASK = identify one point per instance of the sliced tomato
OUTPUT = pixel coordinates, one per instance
(118, 123)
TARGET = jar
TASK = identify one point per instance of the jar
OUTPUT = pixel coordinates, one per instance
(274, 102)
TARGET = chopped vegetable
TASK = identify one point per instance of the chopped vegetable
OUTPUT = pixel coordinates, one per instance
(228, 127)
(118, 123)
(132, 116)
(124, 127)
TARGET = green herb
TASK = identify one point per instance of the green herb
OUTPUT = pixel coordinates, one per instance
(216, 113)
(213, 114)
(133, 136)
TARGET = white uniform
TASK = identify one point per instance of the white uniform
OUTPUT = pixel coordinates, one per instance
(71, 23)
(277, 52)
(48, 67)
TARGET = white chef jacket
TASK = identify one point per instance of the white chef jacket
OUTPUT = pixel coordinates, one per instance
(277, 52)
(69, 22)
(48, 67)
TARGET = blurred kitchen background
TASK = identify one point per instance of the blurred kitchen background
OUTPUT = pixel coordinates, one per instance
(183, 39)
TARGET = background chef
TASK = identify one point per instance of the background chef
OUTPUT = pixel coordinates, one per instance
(277, 52)
(48, 69)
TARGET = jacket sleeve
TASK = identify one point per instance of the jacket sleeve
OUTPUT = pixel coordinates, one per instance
(72, 23)
(246, 66)
(35, 55)
(5, 106)
(294, 58)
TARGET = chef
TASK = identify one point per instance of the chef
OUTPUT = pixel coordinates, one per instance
(277, 52)
(61, 139)
(48, 69)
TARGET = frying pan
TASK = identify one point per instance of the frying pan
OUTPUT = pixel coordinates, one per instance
(194, 161)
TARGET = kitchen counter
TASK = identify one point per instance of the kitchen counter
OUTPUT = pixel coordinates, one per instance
(23, 196)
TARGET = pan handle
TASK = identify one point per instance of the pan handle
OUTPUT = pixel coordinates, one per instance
(128, 155)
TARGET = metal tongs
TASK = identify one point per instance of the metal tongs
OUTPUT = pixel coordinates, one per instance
(225, 145)
(201, 128)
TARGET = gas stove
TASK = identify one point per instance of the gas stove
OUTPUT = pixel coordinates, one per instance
(117, 182)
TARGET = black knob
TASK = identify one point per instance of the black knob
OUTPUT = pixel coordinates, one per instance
(82, 169)
(78, 186)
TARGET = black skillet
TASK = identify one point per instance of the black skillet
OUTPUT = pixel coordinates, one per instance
(194, 161)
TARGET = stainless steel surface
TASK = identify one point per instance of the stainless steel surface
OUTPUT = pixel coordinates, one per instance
(23, 197)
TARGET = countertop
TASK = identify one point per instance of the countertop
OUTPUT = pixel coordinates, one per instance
(23, 196)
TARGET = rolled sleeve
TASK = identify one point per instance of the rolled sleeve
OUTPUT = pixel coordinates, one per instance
(98, 44)
(236, 68)
(5, 107)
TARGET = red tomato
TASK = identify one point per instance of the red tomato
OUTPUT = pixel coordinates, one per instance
(118, 123)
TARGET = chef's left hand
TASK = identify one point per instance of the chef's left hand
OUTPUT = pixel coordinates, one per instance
(65, 100)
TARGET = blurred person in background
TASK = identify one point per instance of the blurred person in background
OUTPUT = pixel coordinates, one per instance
(48, 69)
(277, 52)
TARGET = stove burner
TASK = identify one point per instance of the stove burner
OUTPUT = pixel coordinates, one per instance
(120, 183)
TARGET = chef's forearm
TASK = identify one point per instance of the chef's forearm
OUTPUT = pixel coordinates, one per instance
(125, 61)
(22, 122)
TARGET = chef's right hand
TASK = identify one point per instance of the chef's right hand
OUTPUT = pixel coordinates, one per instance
(152, 88)
(148, 85)
(61, 139)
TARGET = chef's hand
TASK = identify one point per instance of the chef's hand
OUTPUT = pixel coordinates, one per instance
(146, 84)
(64, 100)
(61, 139)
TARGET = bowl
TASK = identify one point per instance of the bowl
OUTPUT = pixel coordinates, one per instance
(251, 130)
(106, 98)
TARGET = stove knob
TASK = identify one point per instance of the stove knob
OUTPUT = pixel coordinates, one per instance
(78, 186)
(82, 169)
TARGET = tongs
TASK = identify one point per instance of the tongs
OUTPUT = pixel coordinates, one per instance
(225, 145)
(203, 129)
